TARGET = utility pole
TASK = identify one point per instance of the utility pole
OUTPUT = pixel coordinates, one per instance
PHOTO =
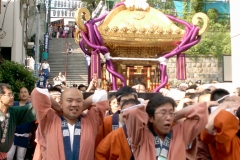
(36, 66)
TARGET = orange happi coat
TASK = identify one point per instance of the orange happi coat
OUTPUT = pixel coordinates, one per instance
(225, 144)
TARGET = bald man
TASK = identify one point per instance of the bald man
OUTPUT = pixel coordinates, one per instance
(72, 135)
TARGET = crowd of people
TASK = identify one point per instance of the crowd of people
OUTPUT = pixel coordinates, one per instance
(120, 125)
(64, 31)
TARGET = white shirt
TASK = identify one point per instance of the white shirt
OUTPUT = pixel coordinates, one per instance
(62, 78)
(46, 66)
(120, 124)
(71, 133)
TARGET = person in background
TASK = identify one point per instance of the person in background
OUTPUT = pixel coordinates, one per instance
(56, 81)
(183, 87)
(50, 31)
(60, 31)
(75, 86)
(82, 88)
(42, 80)
(10, 117)
(46, 68)
(48, 84)
(116, 143)
(61, 77)
(45, 54)
(140, 87)
(113, 103)
(212, 88)
(237, 92)
(23, 132)
(55, 30)
(55, 93)
(115, 121)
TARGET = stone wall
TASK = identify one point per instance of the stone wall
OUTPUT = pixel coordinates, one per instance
(207, 69)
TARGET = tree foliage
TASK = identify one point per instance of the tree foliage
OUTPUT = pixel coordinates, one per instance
(17, 76)
(216, 40)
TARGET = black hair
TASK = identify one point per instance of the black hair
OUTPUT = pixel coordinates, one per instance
(218, 93)
(111, 95)
(4, 86)
(125, 91)
(81, 85)
(25, 88)
(157, 101)
(55, 89)
(194, 86)
(130, 101)
(141, 83)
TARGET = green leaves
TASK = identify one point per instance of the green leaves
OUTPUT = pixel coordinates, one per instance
(17, 76)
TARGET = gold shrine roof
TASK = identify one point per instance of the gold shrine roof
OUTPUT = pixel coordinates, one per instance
(150, 28)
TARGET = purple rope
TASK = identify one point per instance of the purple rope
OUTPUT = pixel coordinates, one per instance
(81, 44)
(99, 37)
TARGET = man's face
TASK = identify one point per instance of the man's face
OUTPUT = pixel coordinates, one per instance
(182, 88)
(164, 116)
(56, 96)
(7, 98)
(235, 92)
(114, 105)
(125, 98)
(23, 94)
(72, 104)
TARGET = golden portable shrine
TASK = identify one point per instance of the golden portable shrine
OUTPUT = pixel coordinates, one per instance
(136, 41)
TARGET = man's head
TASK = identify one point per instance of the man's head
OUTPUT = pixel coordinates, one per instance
(72, 104)
(82, 88)
(126, 104)
(60, 73)
(55, 93)
(204, 96)
(237, 92)
(45, 61)
(23, 94)
(125, 93)
(6, 95)
(113, 102)
(140, 87)
(75, 86)
(183, 87)
(218, 93)
(161, 113)
(212, 88)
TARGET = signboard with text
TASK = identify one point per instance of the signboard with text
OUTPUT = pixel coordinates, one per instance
(46, 42)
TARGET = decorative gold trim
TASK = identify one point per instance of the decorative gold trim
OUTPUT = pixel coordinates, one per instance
(204, 17)
(83, 14)
(77, 35)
